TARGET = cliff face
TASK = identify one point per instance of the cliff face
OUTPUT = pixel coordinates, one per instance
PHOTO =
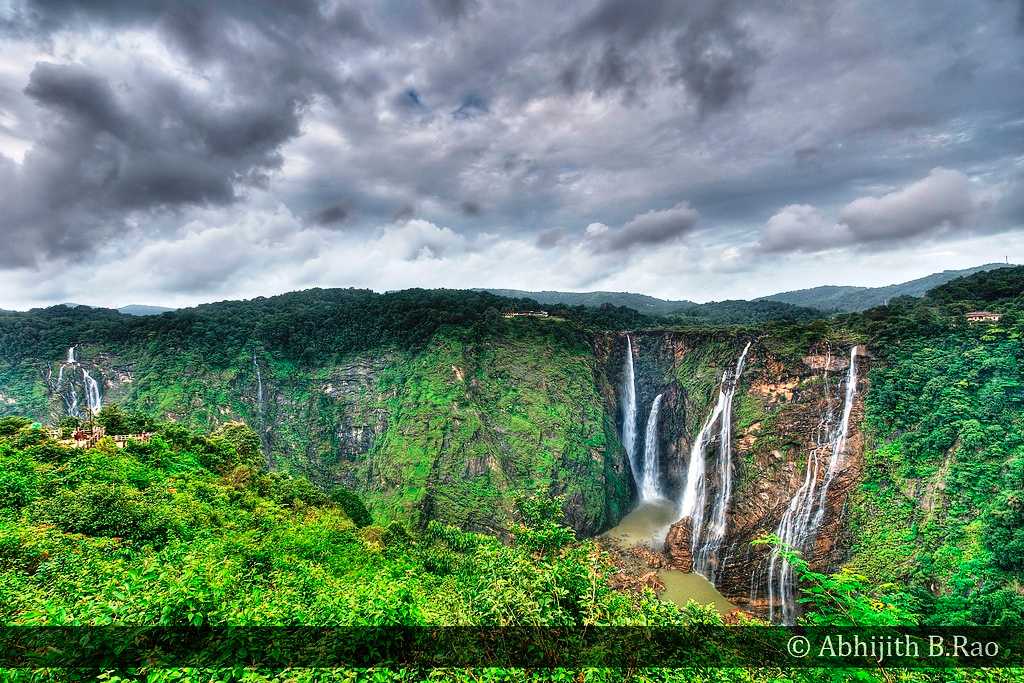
(780, 414)
(455, 431)
(458, 430)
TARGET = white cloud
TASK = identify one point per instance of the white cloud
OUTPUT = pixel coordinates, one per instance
(801, 227)
(945, 203)
(938, 202)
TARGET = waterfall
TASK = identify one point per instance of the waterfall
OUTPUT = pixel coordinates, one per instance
(629, 411)
(93, 397)
(806, 508)
(70, 395)
(71, 402)
(651, 489)
(694, 499)
(716, 530)
(259, 409)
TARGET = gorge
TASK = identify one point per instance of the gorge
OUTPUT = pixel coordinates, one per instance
(437, 435)
(693, 442)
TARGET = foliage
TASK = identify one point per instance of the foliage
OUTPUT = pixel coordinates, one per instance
(352, 505)
(940, 508)
(116, 420)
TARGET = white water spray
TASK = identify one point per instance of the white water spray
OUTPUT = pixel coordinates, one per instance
(93, 396)
(708, 553)
(806, 509)
(259, 407)
(651, 488)
(70, 394)
(628, 393)
(694, 500)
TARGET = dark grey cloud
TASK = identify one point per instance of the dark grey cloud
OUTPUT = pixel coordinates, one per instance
(454, 10)
(106, 152)
(333, 215)
(702, 45)
(802, 120)
(649, 229)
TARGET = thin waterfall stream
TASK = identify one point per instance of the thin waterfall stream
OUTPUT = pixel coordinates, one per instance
(806, 509)
(628, 392)
(651, 488)
(694, 499)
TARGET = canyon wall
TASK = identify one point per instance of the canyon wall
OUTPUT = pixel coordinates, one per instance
(460, 429)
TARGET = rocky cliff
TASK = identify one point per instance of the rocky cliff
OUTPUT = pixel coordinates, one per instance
(459, 429)
(781, 410)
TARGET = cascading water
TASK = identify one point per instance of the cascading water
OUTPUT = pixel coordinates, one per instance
(259, 408)
(806, 509)
(628, 400)
(651, 488)
(703, 559)
(69, 394)
(93, 397)
(694, 499)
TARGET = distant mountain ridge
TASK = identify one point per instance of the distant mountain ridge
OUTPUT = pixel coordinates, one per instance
(850, 299)
(827, 298)
(143, 309)
(638, 302)
(130, 309)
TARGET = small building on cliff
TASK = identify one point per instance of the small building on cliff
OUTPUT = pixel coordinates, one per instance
(526, 314)
(982, 317)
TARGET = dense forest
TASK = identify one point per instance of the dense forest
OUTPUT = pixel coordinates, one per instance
(495, 457)
(188, 529)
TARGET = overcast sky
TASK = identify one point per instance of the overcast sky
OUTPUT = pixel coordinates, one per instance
(174, 153)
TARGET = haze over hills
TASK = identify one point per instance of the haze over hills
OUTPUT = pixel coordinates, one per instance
(800, 304)
(130, 309)
(826, 298)
(640, 302)
(853, 299)
(143, 309)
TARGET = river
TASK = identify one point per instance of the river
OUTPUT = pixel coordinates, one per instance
(647, 525)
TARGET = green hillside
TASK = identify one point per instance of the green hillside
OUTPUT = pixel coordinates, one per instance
(346, 457)
(852, 299)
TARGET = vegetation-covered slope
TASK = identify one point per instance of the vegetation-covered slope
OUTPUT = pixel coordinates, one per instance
(430, 403)
(852, 299)
(940, 509)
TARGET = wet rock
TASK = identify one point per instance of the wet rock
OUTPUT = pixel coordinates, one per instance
(678, 545)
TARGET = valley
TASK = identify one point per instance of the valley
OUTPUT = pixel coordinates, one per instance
(436, 412)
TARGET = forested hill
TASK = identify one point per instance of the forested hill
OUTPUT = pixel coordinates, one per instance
(852, 299)
(729, 312)
(435, 408)
(640, 302)
(308, 326)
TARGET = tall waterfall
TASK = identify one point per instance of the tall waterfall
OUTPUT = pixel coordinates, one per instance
(259, 409)
(651, 488)
(629, 411)
(708, 552)
(806, 508)
(69, 394)
(694, 499)
(93, 397)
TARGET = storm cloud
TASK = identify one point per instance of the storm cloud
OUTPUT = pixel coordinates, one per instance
(605, 141)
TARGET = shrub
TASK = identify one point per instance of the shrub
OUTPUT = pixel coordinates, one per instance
(353, 506)
(114, 510)
(12, 424)
(233, 444)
